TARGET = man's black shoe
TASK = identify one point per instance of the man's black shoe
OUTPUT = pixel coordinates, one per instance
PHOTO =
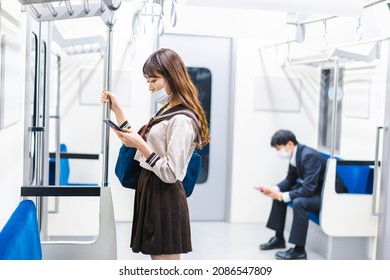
(273, 243)
(290, 254)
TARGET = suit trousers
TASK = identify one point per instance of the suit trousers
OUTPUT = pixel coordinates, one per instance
(300, 223)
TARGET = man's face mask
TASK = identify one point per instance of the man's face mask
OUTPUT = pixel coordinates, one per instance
(283, 153)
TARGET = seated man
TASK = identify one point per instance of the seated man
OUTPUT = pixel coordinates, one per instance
(302, 187)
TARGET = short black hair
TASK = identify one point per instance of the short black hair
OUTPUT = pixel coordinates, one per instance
(281, 137)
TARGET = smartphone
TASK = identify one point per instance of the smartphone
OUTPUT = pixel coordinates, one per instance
(110, 123)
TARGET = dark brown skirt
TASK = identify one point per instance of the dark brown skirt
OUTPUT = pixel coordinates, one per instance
(161, 223)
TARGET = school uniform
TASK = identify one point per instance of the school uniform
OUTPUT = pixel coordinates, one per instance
(161, 223)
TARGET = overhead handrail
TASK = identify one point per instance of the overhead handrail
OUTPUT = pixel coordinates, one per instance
(102, 6)
(152, 11)
(43, 10)
(142, 11)
(34, 11)
(69, 7)
(160, 23)
(135, 25)
(323, 19)
(51, 9)
(173, 13)
(86, 6)
(110, 5)
(365, 6)
(359, 30)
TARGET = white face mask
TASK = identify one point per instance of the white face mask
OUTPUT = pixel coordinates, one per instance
(283, 154)
(161, 96)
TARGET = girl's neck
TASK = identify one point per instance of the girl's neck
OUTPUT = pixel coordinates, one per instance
(173, 103)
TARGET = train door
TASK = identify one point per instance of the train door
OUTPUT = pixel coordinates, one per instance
(209, 60)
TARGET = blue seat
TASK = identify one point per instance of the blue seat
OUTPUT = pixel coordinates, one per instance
(314, 217)
(358, 179)
(64, 168)
(64, 171)
(19, 239)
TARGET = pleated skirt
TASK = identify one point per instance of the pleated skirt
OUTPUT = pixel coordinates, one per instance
(161, 223)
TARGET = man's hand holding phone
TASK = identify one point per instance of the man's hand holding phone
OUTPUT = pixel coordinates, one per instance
(264, 189)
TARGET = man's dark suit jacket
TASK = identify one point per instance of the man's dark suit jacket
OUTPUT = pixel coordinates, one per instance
(310, 169)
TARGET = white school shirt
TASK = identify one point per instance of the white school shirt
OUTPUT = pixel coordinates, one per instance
(173, 141)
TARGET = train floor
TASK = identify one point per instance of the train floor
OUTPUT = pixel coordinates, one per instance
(216, 241)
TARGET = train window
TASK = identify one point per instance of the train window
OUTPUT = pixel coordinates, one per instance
(201, 77)
(326, 109)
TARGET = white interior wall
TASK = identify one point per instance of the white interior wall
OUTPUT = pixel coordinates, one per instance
(11, 137)
(360, 130)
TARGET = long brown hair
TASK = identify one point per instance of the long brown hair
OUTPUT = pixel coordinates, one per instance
(168, 63)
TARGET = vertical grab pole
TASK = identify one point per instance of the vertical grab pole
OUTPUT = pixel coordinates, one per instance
(106, 108)
(57, 137)
(35, 127)
(334, 107)
(375, 210)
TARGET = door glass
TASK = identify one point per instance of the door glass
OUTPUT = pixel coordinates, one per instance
(201, 77)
